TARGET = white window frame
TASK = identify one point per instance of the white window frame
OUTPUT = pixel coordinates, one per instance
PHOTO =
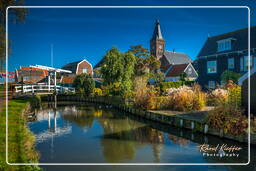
(208, 66)
(231, 63)
(224, 45)
(246, 62)
(84, 70)
(222, 84)
(211, 84)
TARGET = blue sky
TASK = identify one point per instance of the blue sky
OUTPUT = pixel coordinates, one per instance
(88, 33)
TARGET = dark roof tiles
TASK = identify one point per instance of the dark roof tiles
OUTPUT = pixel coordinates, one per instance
(239, 42)
(177, 57)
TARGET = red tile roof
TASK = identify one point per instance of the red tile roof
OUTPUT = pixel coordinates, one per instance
(45, 72)
(67, 79)
(165, 67)
(176, 70)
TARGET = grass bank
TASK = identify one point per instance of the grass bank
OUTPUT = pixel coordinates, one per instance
(21, 147)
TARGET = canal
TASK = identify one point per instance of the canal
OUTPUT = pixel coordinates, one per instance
(88, 133)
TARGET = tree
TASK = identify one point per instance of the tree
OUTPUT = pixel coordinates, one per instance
(145, 62)
(113, 68)
(139, 51)
(118, 69)
(230, 75)
(84, 84)
(129, 64)
(15, 15)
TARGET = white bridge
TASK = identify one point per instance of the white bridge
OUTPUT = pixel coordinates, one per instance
(45, 88)
(37, 88)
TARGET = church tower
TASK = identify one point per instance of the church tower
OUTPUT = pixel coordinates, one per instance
(157, 43)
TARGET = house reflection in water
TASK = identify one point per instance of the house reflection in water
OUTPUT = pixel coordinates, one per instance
(52, 116)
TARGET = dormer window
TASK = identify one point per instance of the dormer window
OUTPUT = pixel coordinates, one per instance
(224, 44)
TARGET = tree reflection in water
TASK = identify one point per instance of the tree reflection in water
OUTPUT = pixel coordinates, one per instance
(124, 136)
(129, 133)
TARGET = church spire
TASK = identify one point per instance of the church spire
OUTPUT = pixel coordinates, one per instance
(157, 43)
(157, 34)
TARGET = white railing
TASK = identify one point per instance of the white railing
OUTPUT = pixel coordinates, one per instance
(42, 88)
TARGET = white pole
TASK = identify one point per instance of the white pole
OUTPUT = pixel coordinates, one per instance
(49, 81)
(55, 88)
(49, 120)
(52, 55)
(55, 120)
(32, 86)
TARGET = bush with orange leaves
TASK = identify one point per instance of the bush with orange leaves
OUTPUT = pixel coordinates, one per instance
(229, 118)
(229, 114)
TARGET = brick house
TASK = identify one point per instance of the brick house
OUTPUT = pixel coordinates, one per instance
(223, 52)
(79, 67)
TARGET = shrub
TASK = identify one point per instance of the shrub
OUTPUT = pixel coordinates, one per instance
(150, 100)
(199, 100)
(217, 96)
(162, 102)
(234, 96)
(173, 84)
(112, 89)
(228, 114)
(129, 94)
(230, 75)
(253, 124)
(229, 118)
(97, 92)
(170, 84)
(186, 98)
(84, 84)
(144, 97)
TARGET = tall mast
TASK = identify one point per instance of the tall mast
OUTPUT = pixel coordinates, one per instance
(51, 55)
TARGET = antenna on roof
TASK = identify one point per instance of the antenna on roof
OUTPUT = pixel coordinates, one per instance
(208, 35)
(51, 55)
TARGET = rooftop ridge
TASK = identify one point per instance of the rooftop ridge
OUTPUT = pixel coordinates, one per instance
(232, 32)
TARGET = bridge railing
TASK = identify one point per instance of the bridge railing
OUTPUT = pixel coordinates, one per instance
(42, 88)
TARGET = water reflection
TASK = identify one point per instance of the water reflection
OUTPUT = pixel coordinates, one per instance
(66, 133)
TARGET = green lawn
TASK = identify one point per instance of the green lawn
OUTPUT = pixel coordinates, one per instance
(20, 140)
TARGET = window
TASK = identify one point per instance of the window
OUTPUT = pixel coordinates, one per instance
(222, 84)
(211, 84)
(211, 66)
(224, 45)
(84, 70)
(189, 71)
(231, 63)
(241, 64)
(246, 62)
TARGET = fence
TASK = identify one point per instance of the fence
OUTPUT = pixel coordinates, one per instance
(42, 89)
